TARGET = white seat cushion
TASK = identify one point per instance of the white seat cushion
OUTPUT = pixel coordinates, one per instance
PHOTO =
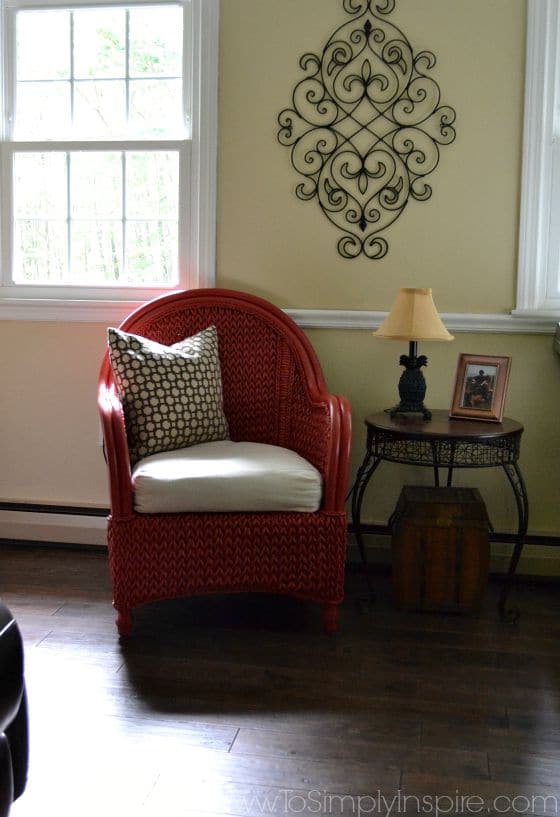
(226, 476)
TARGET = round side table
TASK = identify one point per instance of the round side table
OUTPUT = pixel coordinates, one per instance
(446, 443)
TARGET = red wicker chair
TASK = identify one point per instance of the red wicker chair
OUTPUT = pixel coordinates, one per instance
(274, 392)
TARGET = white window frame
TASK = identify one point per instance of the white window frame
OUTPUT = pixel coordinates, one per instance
(197, 186)
(541, 162)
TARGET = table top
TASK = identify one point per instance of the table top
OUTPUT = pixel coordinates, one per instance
(441, 426)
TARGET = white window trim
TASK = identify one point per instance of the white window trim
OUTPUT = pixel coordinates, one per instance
(541, 80)
(201, 41)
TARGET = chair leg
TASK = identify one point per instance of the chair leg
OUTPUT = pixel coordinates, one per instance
(330, 618)
(124, 622)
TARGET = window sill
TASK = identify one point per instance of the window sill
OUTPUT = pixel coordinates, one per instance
(52, 309)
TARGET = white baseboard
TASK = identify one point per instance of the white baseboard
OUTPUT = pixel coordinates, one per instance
(53, 527)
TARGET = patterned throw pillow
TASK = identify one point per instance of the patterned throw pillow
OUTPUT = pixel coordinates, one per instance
(171, 395)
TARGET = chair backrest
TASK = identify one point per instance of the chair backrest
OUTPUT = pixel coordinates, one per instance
(268, 365)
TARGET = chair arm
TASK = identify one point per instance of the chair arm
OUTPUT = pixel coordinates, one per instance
(116, 452)
(321, 432)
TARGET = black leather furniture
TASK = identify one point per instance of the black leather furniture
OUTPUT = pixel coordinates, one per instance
(13, 713)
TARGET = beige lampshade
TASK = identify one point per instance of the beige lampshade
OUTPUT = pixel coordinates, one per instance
(413, 316)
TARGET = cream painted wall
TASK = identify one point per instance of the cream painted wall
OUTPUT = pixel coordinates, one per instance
(366, 370)
(50, 438)
(462, 243)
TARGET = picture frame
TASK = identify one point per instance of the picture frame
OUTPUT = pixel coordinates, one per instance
(480, 387)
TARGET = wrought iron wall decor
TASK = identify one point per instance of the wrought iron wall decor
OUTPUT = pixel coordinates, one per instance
(365, 127)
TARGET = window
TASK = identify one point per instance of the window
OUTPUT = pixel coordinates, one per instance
(538, 291)
(108, 148)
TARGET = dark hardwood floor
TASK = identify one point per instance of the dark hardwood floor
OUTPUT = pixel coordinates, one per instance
(241, 706)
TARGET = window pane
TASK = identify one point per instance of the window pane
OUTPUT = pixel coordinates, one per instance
(40, 251)
(43, 45)
(99, 43)
(40, 185)
(553, 265)
(152, 182)
(96, 256)
(151, 252)
(156, 107)
(96, 185)
(99, 99)
(43, 110)
(100, 108)
(156, 41)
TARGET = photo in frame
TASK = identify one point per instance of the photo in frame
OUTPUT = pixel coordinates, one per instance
(480, 387)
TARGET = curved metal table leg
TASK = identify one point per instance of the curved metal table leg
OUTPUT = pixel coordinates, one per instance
(435, 465)
(365, 473)
(451, 464)
(515, 477)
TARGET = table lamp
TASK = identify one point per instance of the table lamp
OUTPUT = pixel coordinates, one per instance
(413, 317)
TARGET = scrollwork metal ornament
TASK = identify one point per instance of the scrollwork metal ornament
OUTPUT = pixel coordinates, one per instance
(365, 127)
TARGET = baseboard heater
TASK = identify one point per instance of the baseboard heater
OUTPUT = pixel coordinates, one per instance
(379, 530)
(41, 523)
(69, 510)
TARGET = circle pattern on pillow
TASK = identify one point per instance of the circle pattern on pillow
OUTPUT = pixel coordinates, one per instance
(171, 395)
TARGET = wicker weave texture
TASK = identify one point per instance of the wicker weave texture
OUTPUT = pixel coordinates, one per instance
(164, 556)
(266, 398)
(251, 353)
(274, 393)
